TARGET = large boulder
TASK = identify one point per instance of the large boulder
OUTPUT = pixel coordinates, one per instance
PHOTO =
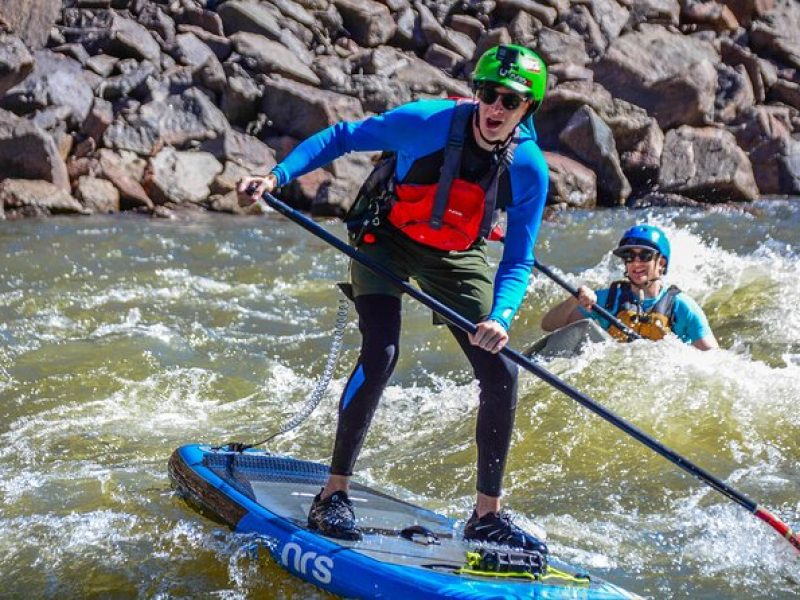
(247, 151)
(670, 75)
(28, 152)
(706, 164)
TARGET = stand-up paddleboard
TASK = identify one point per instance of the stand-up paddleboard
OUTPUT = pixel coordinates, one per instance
(406, 552)
(569, 340)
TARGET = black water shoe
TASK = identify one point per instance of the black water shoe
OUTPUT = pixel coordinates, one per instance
(497, 528)
(334, 517)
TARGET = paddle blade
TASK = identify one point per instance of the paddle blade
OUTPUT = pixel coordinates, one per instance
(778, 525)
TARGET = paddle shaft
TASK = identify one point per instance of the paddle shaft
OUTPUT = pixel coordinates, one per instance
(469, 327)
(632, 335)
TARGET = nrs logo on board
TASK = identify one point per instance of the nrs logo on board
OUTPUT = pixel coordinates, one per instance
(293, 557)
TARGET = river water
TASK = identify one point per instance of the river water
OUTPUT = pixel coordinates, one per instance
(123, 338)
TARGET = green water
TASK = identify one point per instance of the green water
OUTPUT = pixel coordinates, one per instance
(123, 338)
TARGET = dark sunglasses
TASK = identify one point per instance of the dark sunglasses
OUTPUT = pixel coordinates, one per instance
(489, 95)
(641, 255)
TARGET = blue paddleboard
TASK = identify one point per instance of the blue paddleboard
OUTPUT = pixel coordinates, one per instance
(407, 551)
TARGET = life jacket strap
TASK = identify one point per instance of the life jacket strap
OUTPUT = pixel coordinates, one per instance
(452, 160)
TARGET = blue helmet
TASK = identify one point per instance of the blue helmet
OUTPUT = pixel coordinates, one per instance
(645, 236)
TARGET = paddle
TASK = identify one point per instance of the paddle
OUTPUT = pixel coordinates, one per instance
(453, 317)
(632, 335)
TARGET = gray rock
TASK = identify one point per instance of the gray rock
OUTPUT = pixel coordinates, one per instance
(181, 177)
(655, 12)
(230, 177)
(523, 30)
(610, 16)
(56, 80)
(220, 45)
(592, 141)
(442, 58)
(130, 39)
(435, 33)
(786, 92)
(301, 110)
(102, 64)
(245, 150)
(262, 19)
(267, 56)
(734, 93)
(557, 47)
(240, 100)
(98, 120)
(176, 121)
(27, 152)
(670, 75)
(580, 20)
(706, 164)
(191, 51)
(661, 200)
(422, 78)
(127, 83)
(543, 13)
(734, 55)
(16, 62)
(776, 164)
(468, 25)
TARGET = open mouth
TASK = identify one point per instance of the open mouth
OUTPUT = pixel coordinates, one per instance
(493, 124)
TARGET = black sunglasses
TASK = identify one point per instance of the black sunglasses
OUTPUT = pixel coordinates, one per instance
(641, 255)
(489, 95)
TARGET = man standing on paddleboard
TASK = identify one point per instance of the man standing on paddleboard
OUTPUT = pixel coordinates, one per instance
(425, 213)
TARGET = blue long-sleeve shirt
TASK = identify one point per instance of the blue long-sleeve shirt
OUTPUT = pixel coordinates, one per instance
(420, 129)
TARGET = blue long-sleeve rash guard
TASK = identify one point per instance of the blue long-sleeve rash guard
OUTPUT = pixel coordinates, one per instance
(418, 129)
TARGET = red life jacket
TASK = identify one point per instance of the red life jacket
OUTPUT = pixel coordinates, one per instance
(453, 213)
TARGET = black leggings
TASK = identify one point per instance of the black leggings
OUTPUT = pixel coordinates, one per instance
(379, 323)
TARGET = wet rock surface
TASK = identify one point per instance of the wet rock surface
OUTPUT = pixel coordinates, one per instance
(155, 106)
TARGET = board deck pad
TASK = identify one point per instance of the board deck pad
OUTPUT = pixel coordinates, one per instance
(257, 492)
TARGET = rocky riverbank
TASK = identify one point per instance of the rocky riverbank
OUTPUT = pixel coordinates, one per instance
(155, 105)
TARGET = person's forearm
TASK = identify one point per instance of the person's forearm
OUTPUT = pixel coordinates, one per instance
(559, 315)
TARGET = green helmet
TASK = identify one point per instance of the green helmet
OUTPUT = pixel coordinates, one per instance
(515, 67)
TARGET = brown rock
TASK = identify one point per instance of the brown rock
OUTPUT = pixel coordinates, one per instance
(370, 23)
(28, 197)
(98, 120)
(747, 10)
(97, 195)
(130, 39)
(245, 150)
(710, 15)
(786, 92)
(571, 182)
(132, 194)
